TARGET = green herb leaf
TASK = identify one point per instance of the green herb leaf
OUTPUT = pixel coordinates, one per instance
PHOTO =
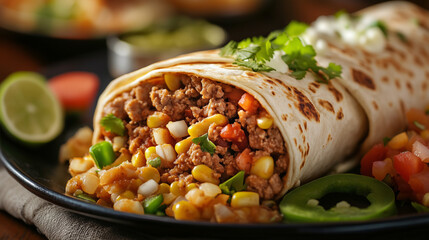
(113, 124)
(402, 37)
(86, 197)
(419, 125)
(156, 162)
(295, 28)
(340, 13)
(205, 143)
(386, 140)
(234, 184)
(255, 52)
(381, 25)
(257, 67)
(229, 49)
(427, 112)
(419, 207)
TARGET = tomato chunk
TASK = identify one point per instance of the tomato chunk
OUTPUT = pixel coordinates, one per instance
(419, 182)
(75, 90)
(248, 103)
(244, 160)
(407, 164)
(233, 133)
(377, 153)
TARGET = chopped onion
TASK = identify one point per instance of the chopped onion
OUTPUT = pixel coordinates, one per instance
(178, 129)
(148, 188)
(421, 151)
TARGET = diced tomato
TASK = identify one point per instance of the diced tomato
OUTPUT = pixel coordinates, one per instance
(234, 134)
(416, 117)
(407, 164)
(244, 160)
(248, 103)
(419, 182)
(75, 90)
(381, 168)
(404, 189)
(377, 153)
(235, 95)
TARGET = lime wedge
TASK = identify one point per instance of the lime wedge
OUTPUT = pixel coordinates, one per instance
(29, 110)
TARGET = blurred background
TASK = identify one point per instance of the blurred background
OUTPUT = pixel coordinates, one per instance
(122, 35)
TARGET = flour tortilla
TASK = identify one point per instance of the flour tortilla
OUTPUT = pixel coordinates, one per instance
(322, 124)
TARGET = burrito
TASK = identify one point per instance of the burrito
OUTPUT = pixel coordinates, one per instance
(267, 111)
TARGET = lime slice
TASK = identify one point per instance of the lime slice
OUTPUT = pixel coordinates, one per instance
(29, 110)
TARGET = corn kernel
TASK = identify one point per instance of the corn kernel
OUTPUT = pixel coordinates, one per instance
(183, 146)
(425, 134)
(163, 188)
(157, 119)
(399, 141)
(148, 173)
(172, 81)
(128, 205)
(202, 127)
(184, 210)
(203, 173)
(150, 153)
(244, 199)
(176, 189)
(126, 195)
(263, 167)
(191, 186)
(138, 159)
(168, 198)
(264, 122)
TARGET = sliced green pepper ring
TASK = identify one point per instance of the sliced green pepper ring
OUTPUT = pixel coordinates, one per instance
(301, 204)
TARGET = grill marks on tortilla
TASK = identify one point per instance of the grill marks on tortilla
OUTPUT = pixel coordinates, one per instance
(340, 114)
(313, 87)
(304, 105)
(363, 79)
(327, 105)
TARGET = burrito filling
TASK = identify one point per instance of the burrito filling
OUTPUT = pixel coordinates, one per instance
(192, 132)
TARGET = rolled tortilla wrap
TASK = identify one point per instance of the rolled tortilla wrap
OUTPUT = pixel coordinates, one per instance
(321, 124)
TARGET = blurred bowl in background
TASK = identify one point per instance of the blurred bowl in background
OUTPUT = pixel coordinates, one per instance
(217, 8)
(80, 19)
(179, 35)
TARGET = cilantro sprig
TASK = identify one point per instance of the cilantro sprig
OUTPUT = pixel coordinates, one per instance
(254, 53)
(205, 144)
(113, 124)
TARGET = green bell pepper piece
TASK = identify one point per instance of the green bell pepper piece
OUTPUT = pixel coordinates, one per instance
(234, 184)
(296, 206)
(152, 204)
(102, 153)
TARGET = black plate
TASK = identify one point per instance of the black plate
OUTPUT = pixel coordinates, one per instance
(39, 171)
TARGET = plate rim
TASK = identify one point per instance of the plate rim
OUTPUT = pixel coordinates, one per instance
(106, 214)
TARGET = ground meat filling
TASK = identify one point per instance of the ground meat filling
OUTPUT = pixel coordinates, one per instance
(196, 99)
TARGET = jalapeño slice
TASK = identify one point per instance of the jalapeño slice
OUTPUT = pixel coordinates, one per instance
(302, 204)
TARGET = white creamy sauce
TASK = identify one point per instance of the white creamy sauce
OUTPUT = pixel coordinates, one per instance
(354, 32)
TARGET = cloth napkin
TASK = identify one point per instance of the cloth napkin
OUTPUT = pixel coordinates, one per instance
(56, 222)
